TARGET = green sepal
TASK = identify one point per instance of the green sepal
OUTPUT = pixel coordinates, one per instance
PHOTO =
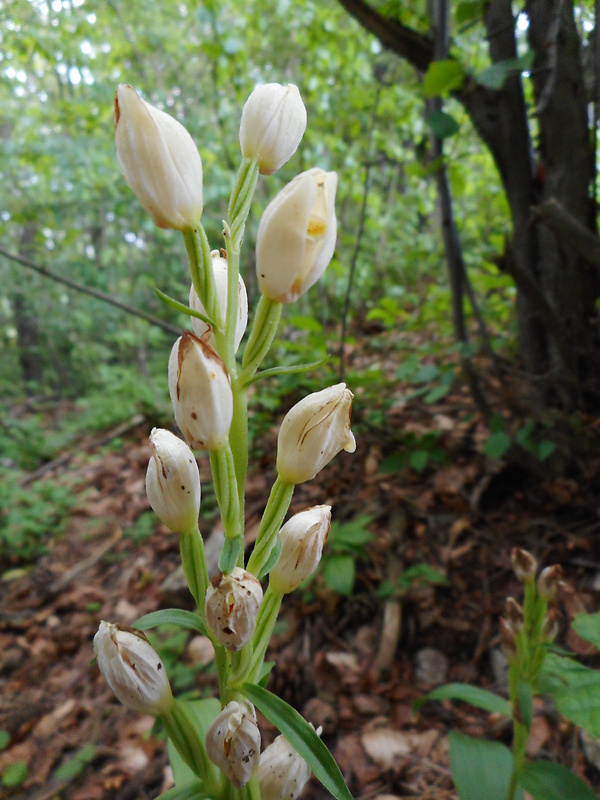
(232, 549)
(172, 616)
(190, 312)
(272, 559)
(302, 737)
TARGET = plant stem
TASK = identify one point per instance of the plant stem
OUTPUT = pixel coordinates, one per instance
(189, 744)
(275, 510)
(198, 252)
(193, 559)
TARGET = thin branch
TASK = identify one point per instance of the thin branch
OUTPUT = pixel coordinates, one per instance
(78, 287)
(563, 223)
(359, 235)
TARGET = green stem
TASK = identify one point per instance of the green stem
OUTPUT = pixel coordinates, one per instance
(264, 330)
(275, 510)
(238, 441)
(520, 737)
(223, 472)
(190, 746)
(241, 198)
(193, 559)
(198, 252)
(265, 623)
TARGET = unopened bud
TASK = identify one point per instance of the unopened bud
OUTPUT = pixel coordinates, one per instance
(132, 669)
(549, 580)
(524, 564)
(507, 639)
(313, 432)
(514, 614)
(232, 603)
(200, 393)
(233, 742)
(282, 773)
(273, 123)
(159, 161)
(296, 236)
(201, 329)
(551, 625)
(302, 540)
(173, 481)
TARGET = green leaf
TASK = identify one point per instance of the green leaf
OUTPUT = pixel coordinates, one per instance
(545, 780)
(4, 739)
(172, 616)
(419, 459)
(203, 712)
(545, 449)
(265, 671)
(575, 689)
(442, 124)
(467, 11)
(232, 548)
(493, 77)
(339, 573)
(273, 558)
(301, 736)
(474, 695)
(71, 768)
(15, 773)
(588, 627)
(497, 445)
(480, 768)
(442, 77)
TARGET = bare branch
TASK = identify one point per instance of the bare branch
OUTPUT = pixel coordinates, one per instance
(581, 239)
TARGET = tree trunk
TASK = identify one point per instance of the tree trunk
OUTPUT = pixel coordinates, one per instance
(557, 283)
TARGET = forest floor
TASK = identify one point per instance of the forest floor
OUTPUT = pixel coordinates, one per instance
(353, 664)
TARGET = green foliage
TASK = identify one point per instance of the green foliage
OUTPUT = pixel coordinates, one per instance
(417, 575)
(31, 515)
(15, 773)
(529, 436)
(75, 765)
(480, 768)
(442, 77)
(347, 543)
(474, 695)
(4, 739)
(545, 780)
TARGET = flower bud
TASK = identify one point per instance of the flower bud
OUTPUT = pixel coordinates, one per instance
(159, 161)
(201, 329)
(282, 773)
(200, 393)
(232, 603)
(233, 742)
(313, 432)
(296, 236)
(173, 481)
(549, 580)
(302, 540)
(273, 123)
(551, 626)
(524, 564)
(132, 669)
(514, 614)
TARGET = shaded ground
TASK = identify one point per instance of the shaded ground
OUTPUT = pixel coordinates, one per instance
(352, 664)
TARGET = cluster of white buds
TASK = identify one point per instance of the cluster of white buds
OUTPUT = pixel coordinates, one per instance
(200, 392)
(173, 482)
(295, 243)
(233, 742)
(302, 540)
(524, 564)
(313, 432)
(201, 329)
(132, 669)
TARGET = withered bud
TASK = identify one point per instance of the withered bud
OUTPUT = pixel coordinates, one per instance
(524, 564)
(548, 580)
(551, 626)
(514, 614)
(232, 603)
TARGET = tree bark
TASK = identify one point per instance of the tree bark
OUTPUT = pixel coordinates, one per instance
(557, 283)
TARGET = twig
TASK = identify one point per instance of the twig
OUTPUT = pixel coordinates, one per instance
(106, 298)
(583, 240)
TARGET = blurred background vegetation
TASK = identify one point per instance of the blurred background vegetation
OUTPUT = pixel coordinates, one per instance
(73, 364)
